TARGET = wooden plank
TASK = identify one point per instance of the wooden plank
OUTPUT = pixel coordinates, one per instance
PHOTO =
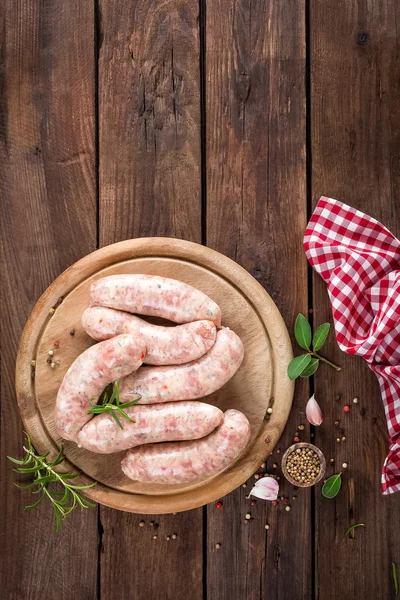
(149, 120)
(47, 163)
(150, 185)
(256, 214)
(355, 149)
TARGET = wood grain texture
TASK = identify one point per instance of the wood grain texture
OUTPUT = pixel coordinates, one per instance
(355, 78)
(149, 120)
(260, 383)
(149, 125)
(47, 162)
(256, 214)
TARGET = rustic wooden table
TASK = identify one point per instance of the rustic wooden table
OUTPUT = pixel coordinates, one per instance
(221, 124)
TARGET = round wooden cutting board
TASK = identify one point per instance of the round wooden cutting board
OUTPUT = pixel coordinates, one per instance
(260, 383)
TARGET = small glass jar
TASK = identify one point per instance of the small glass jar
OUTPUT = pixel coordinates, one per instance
(317, 451)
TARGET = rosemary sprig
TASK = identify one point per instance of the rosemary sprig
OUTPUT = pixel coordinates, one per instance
(113, 406)
(63, 501)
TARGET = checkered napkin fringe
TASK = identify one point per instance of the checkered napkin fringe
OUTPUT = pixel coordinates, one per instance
(360, 261)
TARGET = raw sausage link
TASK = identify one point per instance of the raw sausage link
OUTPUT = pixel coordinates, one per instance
(165, 345)
(185, 462)
(172, 421)
(87, 377)
(154, 296)
(187, 382)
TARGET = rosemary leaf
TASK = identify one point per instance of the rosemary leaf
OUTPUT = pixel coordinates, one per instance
(63, 501)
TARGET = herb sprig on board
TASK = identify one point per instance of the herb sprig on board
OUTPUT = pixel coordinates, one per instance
(305, 365)
(63, 500)
(113, 406)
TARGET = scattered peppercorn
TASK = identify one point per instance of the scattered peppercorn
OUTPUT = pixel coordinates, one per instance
(53, 365)
(56, 344)
(151, 523)
(296, 439)
(52, 311)
(287, 508)
(278, 451)
(253, 503)
(168, 537)
(303, 465)
(218, 504)
(141, 523)
(33, 363)
(218, 546)
(355, 400)
(174, 536)
(269, 410)
(344, 465)
(49, 360)
(275, 503)
(266, 526)
(286, 501)
(244, 485)
(301, 427)
(155, 537)
(343, 439)
(245, 521)
(247, 516)
(332, 460)
(294, 497)
(51, 352)
(346, 408)
(278, 478)
(338, 440)
(72, 332)
(336, 423)
(262, 466)
(274, 466)
(256, 476)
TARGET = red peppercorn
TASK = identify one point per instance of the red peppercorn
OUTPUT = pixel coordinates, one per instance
(296, 439)
(218, 504)
(346, 408)
(286, 501)
(253, 502)
(56, 344)
(275, 503)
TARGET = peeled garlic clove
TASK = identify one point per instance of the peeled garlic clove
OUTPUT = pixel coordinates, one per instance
(266, 488)
(313, 412)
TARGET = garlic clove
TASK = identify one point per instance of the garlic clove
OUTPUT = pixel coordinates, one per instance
(313, 412)
(266, 488)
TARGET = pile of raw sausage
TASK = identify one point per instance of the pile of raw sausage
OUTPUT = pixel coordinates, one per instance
(174, 438)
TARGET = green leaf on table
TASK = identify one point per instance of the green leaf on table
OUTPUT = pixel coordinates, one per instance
(302, 332)
(395, 580)
(353, 527)
(320, 336)
(332, 486)
(297, 366)
(310, 368)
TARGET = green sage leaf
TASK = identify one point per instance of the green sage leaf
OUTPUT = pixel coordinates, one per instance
(302, 332)
(320, 336)
(332, 486)
(297, 366)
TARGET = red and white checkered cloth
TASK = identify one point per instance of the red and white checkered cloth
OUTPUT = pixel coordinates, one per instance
(360, 261)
